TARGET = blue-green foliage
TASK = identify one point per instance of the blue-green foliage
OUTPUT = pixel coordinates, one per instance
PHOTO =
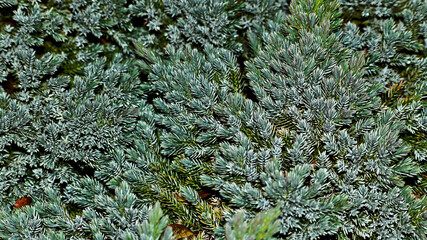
(214, 22)
(316, 140)
(394, 40)
(191, 130)
(258, 228)
(73, 116)
(118, 217)
(114, 113)
(53, 134)
(315, 94)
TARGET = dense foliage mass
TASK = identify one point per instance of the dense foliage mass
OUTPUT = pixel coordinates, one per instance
(213, 119)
